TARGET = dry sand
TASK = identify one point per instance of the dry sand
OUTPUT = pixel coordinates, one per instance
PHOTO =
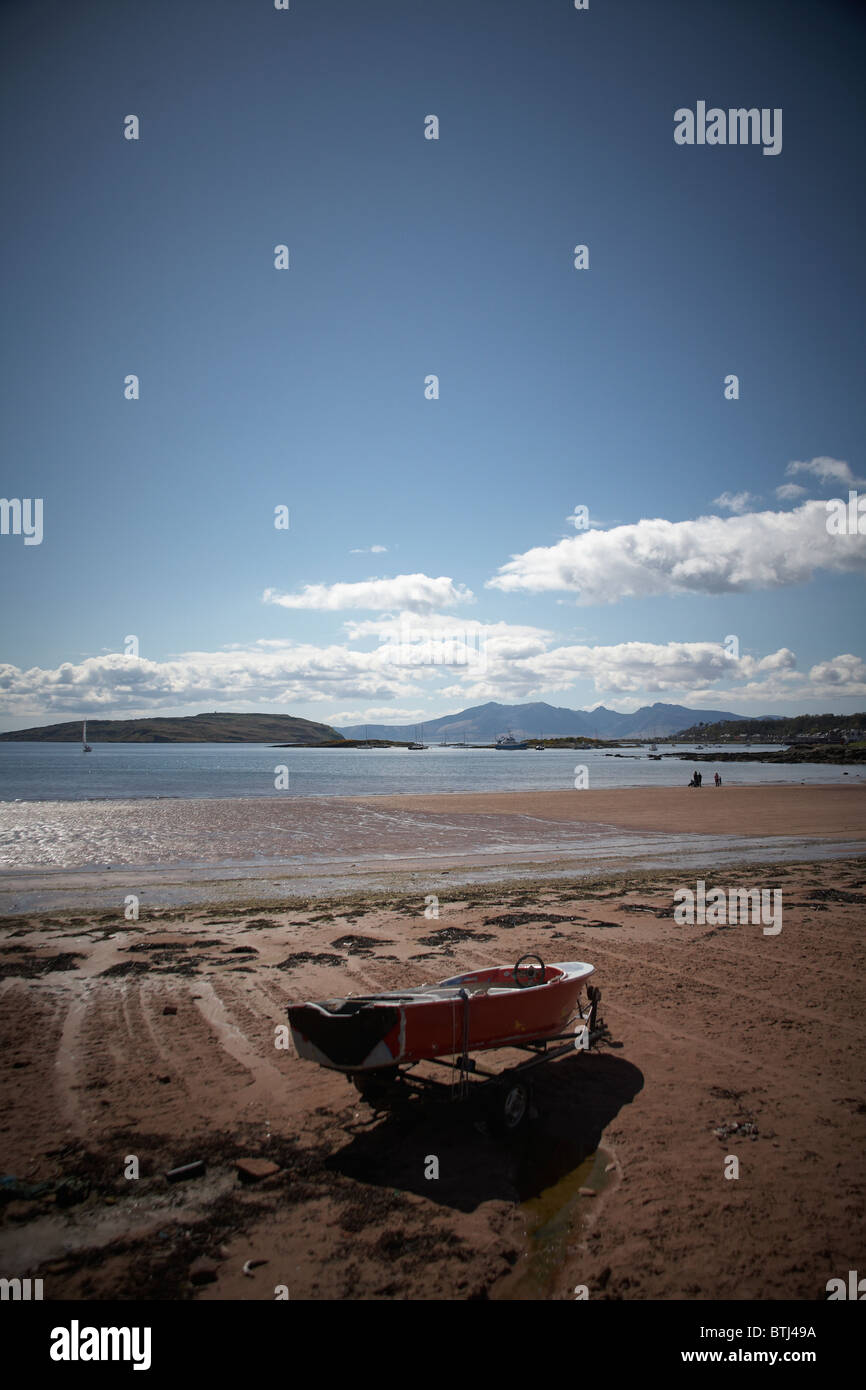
(707, 810)
(711, 1027)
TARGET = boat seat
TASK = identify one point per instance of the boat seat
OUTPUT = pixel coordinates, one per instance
(445, 992)
(451, 992)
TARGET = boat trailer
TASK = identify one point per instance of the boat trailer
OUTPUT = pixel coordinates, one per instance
(507, 1095)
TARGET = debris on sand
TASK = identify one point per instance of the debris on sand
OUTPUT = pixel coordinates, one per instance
(742, 1128)
(254, 1169)
(187, 1170)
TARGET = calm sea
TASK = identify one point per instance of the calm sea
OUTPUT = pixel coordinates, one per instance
(117, 771)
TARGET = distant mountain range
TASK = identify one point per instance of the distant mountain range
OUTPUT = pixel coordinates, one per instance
(484, 723)
(480, 724)
(194, 728)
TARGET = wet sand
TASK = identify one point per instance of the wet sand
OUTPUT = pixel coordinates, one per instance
(713, 1028)
(90, 855)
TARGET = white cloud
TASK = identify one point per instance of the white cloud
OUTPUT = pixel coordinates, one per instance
(449, 643)
(827, 470)
(116, 685)
(512, 639)
(697, 674)
(710, 555)
(735, 501)
(844, 677)
(417, 592)
(370, 550)
(626, 667)
(842, 671)
(789, 492)
(377, 714)
(381, 682)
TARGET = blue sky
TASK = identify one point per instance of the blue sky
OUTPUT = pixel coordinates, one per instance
(305, 387)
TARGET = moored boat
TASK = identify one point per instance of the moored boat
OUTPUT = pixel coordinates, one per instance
(500, 1007)
(507, 743)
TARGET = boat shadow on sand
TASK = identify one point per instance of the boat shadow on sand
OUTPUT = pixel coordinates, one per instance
(575, 1098)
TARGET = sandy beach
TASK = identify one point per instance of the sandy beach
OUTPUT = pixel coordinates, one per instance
(816, 811)
(156, 1039)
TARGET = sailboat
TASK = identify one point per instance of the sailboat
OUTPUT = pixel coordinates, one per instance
(416, 744)
(85, 746)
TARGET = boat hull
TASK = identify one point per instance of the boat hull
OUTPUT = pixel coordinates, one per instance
(476, 1012)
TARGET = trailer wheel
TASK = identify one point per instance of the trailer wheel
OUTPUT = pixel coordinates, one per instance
(510, 1106)
(378, 1088)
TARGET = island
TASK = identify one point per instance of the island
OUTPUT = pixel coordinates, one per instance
(285, 729)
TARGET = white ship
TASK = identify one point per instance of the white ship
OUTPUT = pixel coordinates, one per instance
(507, 742)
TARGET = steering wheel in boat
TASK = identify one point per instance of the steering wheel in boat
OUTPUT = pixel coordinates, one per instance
(536, 976)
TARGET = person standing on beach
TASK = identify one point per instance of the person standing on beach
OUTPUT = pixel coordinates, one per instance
(718, 780)
(699, 777)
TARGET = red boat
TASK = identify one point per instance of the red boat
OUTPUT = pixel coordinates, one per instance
(496, 1008)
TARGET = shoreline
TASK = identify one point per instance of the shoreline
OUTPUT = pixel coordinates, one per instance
(403, 897)
(192, 853)
(198, 887)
